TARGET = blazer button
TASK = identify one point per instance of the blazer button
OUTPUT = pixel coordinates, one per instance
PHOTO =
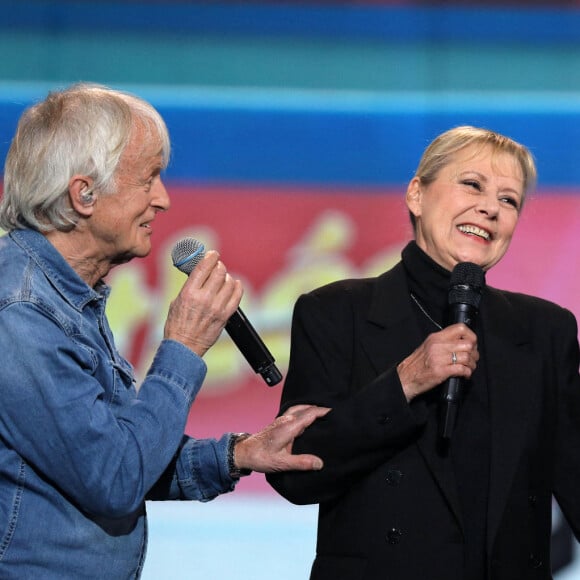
(535, 562)
(533, 500)
(394, 477)
(394, 536)
(384, 419)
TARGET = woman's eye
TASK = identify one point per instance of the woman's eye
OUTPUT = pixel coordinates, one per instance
(511, 201)
(472, 183)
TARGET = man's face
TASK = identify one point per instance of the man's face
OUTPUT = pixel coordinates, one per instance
(122, 221)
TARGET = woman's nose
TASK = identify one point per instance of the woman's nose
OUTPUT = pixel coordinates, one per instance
(489, 205)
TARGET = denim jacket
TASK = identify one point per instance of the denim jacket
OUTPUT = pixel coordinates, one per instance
(80, 448)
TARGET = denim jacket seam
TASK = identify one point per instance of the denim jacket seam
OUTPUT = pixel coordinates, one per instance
(7, 539)
(68, 327)
(178, 384)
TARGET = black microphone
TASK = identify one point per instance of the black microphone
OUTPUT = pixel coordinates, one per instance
(186, 255)
(465, 289)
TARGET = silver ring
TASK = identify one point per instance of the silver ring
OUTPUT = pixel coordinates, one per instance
(453, 358)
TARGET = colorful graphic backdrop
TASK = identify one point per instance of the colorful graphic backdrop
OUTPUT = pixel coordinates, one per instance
(281, 242)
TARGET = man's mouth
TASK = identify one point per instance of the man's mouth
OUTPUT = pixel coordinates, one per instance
(475, 231)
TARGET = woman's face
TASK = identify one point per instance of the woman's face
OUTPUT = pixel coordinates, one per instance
(470, 211)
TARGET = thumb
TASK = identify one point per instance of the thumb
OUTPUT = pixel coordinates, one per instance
(306, 462)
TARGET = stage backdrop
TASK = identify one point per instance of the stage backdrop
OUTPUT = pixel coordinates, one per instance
(284, 241)
(296, 126)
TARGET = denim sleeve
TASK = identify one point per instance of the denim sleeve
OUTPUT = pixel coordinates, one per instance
(76, 417)
(198, 472)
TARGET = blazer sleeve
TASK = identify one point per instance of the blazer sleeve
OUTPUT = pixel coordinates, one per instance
(370, 419)
(566, 358)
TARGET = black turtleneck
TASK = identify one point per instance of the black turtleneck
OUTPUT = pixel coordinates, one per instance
(469, 448)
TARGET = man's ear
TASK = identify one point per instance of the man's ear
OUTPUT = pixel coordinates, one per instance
(81, 194)
(413, 196)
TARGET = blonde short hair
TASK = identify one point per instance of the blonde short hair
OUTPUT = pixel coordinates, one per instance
(443, 148)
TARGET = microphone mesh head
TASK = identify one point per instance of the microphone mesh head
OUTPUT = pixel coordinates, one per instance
(466, 285)
(187, 254)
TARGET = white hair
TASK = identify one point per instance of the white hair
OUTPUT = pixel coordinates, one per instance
(81, 130)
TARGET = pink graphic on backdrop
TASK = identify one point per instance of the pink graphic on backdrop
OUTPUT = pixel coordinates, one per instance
(284, 241)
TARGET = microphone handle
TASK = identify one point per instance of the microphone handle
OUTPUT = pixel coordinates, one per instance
(450, 397)
(452, 390)
(462, 312)
(252, 347)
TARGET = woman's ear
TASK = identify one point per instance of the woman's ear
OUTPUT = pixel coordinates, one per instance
(81, 194)
(413, 196)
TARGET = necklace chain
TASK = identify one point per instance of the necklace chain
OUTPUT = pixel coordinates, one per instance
(425, 312)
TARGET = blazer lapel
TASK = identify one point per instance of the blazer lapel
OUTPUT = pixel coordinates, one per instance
(391, 332)
(510, 371)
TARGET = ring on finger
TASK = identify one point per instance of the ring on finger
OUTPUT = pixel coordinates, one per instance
(453, 358)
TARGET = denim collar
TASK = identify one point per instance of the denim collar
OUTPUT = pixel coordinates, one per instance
(64, 278)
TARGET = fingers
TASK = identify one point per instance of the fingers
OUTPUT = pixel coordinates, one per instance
(462, 344)
(203, 269)
(306, 413)
(298, 408)
(303, 462)
(464, 358)
(297, 419)
(452, 352)
(270, 450)
(210, 282)
(206, 301)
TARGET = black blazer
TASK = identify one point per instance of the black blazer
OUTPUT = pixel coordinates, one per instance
(389, 507)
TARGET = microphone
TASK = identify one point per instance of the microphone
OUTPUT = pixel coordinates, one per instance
(186, 255)
(465, 289)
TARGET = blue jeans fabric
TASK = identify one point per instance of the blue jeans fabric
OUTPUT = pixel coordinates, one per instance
(81, 448)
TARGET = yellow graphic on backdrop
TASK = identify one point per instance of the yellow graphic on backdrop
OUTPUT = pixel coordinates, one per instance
(319, 257)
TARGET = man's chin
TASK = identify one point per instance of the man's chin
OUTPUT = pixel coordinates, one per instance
(124, 258)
